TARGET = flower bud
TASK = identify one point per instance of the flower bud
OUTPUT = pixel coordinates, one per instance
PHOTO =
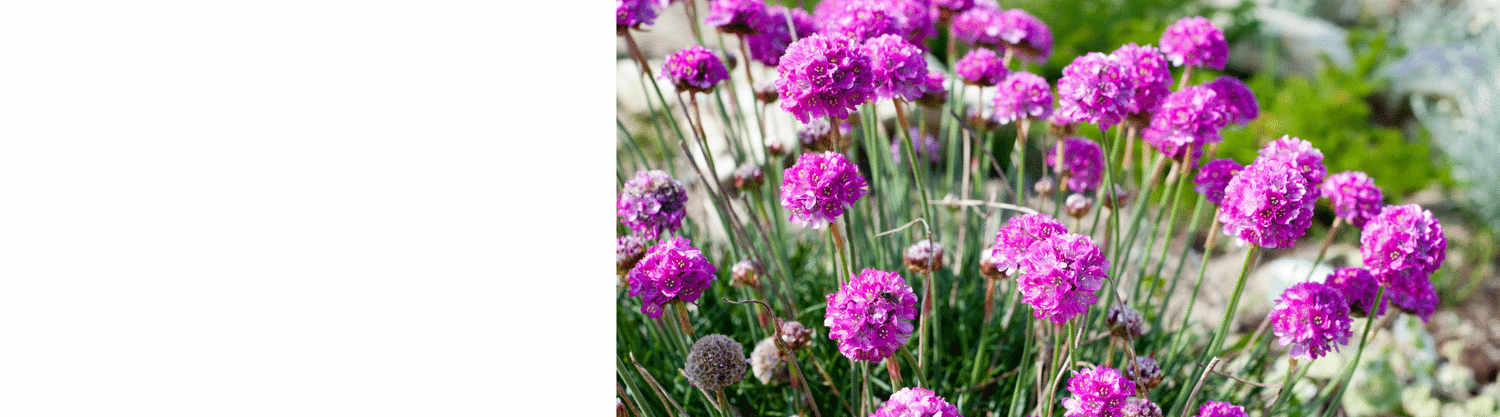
(1045, 186)
(1121, 198)
(767, 364)
(775, 148)
(923, 257)
(1078, 205)
(1125, 322)
(620, 410)
(1140, 407)
(988, 264)
(795, 335)
(628, 251)
(715, 362)
(746, 273)
(765, 91)
(1145, 372)
(749, 177)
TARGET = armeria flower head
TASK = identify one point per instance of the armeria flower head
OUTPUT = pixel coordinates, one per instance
(870, 316)
(1268, 204)
(651, 204)
(916, 402)
(1125, 322)
(823, 76)
(768, 45)
(896, 67)
(1095, 88)
(1140, 407)
(1059, 276)
(634, 13)
(694, 69)
(714, 362)
(1097, 392)
(1354, 195)
(979, 26)
(1186, 121)
(1301, 155)
(1311, 318)
(1017, 235)
(935, 90)
(1239, 102)
(1402, 246)
(1415, 296)
(1083, 163)
(953, 6)
(923, 256)
(629, 250)
(1022, 95)
(673, 271)
(980, 67)
(1214, 176)
(1145, 372)
(1025, 34)
(1150, 75)
(1196, 42)
(865, 19)
(1359, 289)
(1221, 409)
(740, 17)
(819, 187)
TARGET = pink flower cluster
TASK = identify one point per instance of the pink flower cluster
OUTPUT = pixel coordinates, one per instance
(1214, 176)
(1026, 35)
(980, 67)
(1311, 318)
(1083, 163)
(819, 187)
(651, 204)
(870, 316)
(1268, 204)
(633, 13)
(823, 76)
(1195, 42)
(865, 19)
(1402, 246)
(1354, 195)
(1149, 73)
(1060, 275)
(695, 69)
(768, 45)
(1095, 88)
(742, 17)
(1022, 95)
(672, 271)
(1187, 121)
(1221, 409)
(1239, 102)
(1017, 235)
(896, 67)
(1097, 392)
(916, 402)
(1301, 155)
(1358, 287)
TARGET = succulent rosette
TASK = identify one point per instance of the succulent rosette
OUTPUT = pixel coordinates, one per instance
(652, 204)
(1354, 195)
(1187, 121)
(823, 76)
(916, 402)
(1359, 289)
(1022, 95)
(870, 315)
(980, 67)
(1082, 165)
(1268, 204)
(1193, 41)
(694, 69)
(1214, 176)
(896, 67)
(1060, 275)
(768, 45)
(1239, 102)
(819, 187)
(1097, 392)
(1017, 235)
(1311, 318)
(1095, 88)
(673, 271)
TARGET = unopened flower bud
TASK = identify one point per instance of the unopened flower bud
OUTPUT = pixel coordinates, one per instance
(815, 136)
(1045, 186)
(628, 251)
(715, 362)
(1140, 407)
(749, 177)
(1121, 198)
(730, 60)
(989, 260)
(923, 257)
(775, 148)
(795, 335)
(1078, 205)
(767, 364)
(746, 273)
(765, 91)
(1145, 372)
(1125, 322)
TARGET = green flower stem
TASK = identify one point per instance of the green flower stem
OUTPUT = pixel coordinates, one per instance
(1332, 231)
(1193, 221)
(1234, 302)
(1343, 381)
(1182, 180)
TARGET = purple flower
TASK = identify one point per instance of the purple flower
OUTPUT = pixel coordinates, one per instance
(979, 26)
(1027, 35)
(1359, 289)
(1059, 276)
(916, 402)
(1239, 102)
(1301, 155)
(694, 69)
(1187, 120)
(1125, 322)
(980, 67)
(741, 17)
(1097, 392)
(1084, 163)
(1095, 88)
(672, 271)
(1018, 233)
(1140, 407)
(819, 187)
(1196, 42)
(953, 6)
(651, 204)
(823, 76)
(934, 89)
(1354, 195)
(1149, 73)
(629, 250)
(1415, 296)
(1311, 318)
(768, 46)
(633, 13)
(1213, 176)
(1022, 95)
(1402, 246)
(870, 316)
(926, 146)
(896, 67)
(1221, 409)
(1268, 204)
(865, 19)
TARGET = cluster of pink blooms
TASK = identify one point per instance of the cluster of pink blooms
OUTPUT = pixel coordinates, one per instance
(986, 25)
(1140, 407)
(896, 67)
(953, 6)
(819, 187)
(1149, 74)
(979, 25)
(1096, 89)
(1301, 155)
(1354, 195)
(916, 402)
(1214, 176)
(1083, 163)
(673, 271)
(1221, 409)
(980, 67)
(823, 76)
(1060, 275)
(870, 316)
(1097, 392)
(1022, 95)
(1359, 289)
(865, 19)
(634, 13)
(1193, 41)
(1239, 102)
(1311, 318)
(1268, 204)
(741, 17)
(1187, 120)
(1402, 246)
(1016, 236)
(768, 45)
(694, 68)
(651, 204)
(934, 89)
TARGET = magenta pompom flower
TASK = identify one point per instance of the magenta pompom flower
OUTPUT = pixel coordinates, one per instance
(979, 25)
(1415, 296)
(1149, 73)
(1193, 41)
(1402, 246)
(1301, 155)
(1268, 204)
(980, 67)
(865, 19)
(1311, 318)
(1059, 276)
(1097, 392)
(741, 17)
(768, 46)
(1025, 34)
(652, 203)
(916, 402)
(819, 187)
(633, 13)
(1221, 409)
(1022, 95)
(870, 316)
(1018, 233)
(1354, 195)
(1239, 102)
(1187, 120)
(1213, 176)
(672, 271)
(1083, 166)
(1094, 88)
(935, 90)
(1359, 289)
(896, 67)
(694, 69)
(823, 76)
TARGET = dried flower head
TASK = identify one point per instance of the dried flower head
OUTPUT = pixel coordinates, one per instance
(740, 17)
(715, 362)
(629, 250)
(1078, 205)
(1214, 176)
(896, 67)
(1196, 42)
(1354, 195)
(652, 204)
(775, 147)
(1186, 121)
(935, 90)
(980, 67)
(923, 256)
(746, 273)
(749, 177)
(1149, 73)
(916, 402)
(1095, 88)
(1359, 288)
(1060, 275)
(1146, 372)
(767, 364)
(823, 76)
(1140, 407)
(1014, 239)
(870, 315)
(768, 45)
(1239, 102)
(1097, 392)
(1221, 409)
(694, 69)
(1268, 204)
(1125, 322)
(1311, 318)
(673, 271)
(1083, 166)
(795, 335)
(819, 187)
(1022, 95)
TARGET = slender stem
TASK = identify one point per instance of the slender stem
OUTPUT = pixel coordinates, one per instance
(1234, 302)
(865, 399)
(911, 158)
(1187, 74)
(723, 405)
(1332, 231)
(682, 320)
(1206, 370)
(922, 327)
(1023, 128)
(1285, 383)
(1343, 382)
(893, 367)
